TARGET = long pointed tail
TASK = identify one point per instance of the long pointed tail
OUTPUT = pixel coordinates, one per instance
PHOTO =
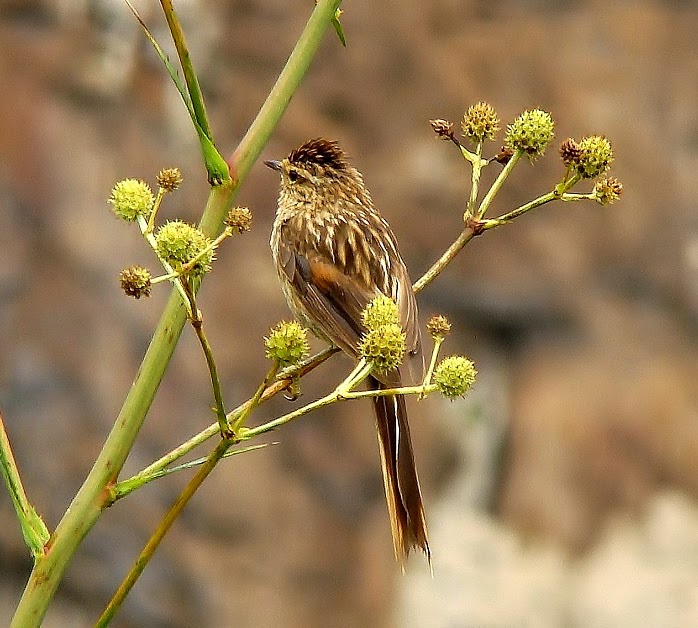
(402, 492)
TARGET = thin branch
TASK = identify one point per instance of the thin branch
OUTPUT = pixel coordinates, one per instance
(155, 540)
(464, 237)
(126, 487)
(498, 183)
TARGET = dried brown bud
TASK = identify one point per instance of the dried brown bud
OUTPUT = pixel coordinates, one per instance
(504, 155)
(239, 219)
(442, 128)
(570, 151)
(608, 190)
(438, 326)
(135, 281)
(169, 179)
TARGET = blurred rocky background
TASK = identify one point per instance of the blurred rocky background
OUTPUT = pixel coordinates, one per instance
(562, 494)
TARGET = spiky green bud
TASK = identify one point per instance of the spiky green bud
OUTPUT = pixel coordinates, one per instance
(135, 281)
(287, 343)
(239, 219)
(179, 243)
(454, 376)
(607, 190)
(596, 156)
(169, 179)
(131, 198)
(384, 347)
(531, 132)
(438, 327)
(480, 122)
(380, 311)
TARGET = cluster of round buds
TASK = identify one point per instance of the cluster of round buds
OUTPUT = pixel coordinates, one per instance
(239, 219)
(169, 179)
(454, 376)
(480, 122)
(607, 190)
(590, 157)
(135, 281)
(383, 344)
(131, 198)
(438, 327)
(380, 311)
(287, 343)
(179, 243)
(531, 133)
(596, 156)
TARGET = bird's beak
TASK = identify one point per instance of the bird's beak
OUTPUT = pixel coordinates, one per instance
(273, 164)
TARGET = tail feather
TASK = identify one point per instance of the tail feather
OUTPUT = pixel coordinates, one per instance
(407, 521)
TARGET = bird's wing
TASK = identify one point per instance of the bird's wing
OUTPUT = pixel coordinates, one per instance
(333, 300)
(334, 297)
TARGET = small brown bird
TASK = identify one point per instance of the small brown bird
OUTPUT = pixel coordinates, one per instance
(334, 253)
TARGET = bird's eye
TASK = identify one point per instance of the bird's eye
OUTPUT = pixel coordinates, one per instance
(293, 176)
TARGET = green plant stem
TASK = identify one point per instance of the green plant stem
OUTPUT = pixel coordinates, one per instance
(197, 324)
(93, 495)
(155, 540)
(342, 392)
(147, 233)
(255, 401)
(476, 172)
(126, 487)
(286, 85)
(150, 226)
(216, 167)
(498, 183)
(34, 531)
(207, 466)
(556, 195)
(432, 362)
(155, 469)
(463, 238)
(420, 390)
(190, 78)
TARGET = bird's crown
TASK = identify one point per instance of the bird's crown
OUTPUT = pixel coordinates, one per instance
(319, 152)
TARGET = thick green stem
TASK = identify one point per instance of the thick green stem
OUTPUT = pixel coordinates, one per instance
(94, 494)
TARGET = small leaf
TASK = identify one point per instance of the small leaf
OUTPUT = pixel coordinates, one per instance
(338, 28)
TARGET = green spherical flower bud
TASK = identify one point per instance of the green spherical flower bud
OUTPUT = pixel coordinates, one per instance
(384, 347)
(596, 156)
(287, 343)
(131, 198)
(531, 132)
(380, 311)
(135, 281)
(169, 179)
(179, 243)
(480, 122)
(454, 376)
(608, 190)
